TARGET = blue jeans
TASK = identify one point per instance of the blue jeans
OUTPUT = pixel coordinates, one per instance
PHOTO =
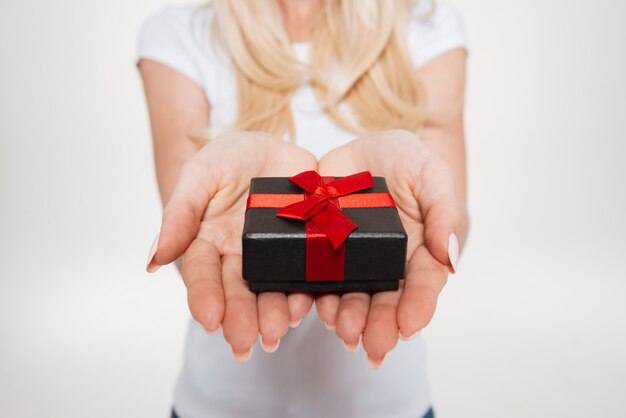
(429, 414)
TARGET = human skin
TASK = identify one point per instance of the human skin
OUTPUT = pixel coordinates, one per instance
(202, 222)
(205, 231)
(434, 217)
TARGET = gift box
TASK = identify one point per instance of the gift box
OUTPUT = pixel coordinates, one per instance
(322, 234)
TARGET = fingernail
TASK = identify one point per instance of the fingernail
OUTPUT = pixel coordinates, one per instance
(243, 357)
(453, 251)
(150, 266)
(375, 364)
(410, 337)
(269, 348)
(213, 332)
(329, 327)
(294, 324)
(352, 348)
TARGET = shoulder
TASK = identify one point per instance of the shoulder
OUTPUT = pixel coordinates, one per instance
(435, 28)
(178, 36)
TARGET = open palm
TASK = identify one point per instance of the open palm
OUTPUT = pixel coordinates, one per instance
(423, 188)
(203, 222)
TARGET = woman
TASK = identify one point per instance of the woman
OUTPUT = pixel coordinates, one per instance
(243, 88)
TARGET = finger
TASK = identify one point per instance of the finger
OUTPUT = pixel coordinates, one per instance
(425, 278)
(326, 306)
(351, 317)
(183, 213)
(273, 319)
(202, 274)
(240, 322)
(381, 332)
(299, 305)
(445, 218)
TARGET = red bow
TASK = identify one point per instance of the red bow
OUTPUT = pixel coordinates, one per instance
(320, 209)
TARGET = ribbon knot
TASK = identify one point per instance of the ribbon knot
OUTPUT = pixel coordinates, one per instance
(324, 191)
(320, 205)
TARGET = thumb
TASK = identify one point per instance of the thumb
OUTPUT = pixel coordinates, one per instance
(445, 218)
(183, 214)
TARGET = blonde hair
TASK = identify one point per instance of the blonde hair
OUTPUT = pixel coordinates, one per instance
(359, 57)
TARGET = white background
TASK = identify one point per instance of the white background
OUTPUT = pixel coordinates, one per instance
(532, 326)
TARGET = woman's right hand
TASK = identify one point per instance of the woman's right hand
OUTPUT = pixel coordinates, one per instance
(202, 222)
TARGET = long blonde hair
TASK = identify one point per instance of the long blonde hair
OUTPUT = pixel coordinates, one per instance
(359, 57)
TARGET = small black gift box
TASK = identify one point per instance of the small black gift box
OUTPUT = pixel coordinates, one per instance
(321, 234)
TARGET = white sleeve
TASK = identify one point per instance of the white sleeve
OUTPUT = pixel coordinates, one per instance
(436, 34)
(167, 37)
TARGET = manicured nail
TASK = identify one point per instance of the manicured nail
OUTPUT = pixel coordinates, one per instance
(453, 251)
(294, 324)
(410, 337)
(269, 348)
(243, 357)
(352, 348)
(375, 364)
(214, 331)
(329, 327)
(150, 266)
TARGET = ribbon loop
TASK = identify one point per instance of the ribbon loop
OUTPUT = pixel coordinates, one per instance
(351, 184)
(305, 209)
(307, 180)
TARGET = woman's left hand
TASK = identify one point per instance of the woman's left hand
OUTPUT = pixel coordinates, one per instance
(435, 220)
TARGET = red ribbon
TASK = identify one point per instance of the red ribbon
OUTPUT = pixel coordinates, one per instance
(327, 227)
(317, 207)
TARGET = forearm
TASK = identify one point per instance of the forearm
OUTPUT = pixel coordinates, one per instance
(449, 144)
(444, 84)
(168, 161)
(177, 107)
(450, 147)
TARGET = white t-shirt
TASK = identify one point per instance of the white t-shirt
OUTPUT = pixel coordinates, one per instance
(311, 375)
